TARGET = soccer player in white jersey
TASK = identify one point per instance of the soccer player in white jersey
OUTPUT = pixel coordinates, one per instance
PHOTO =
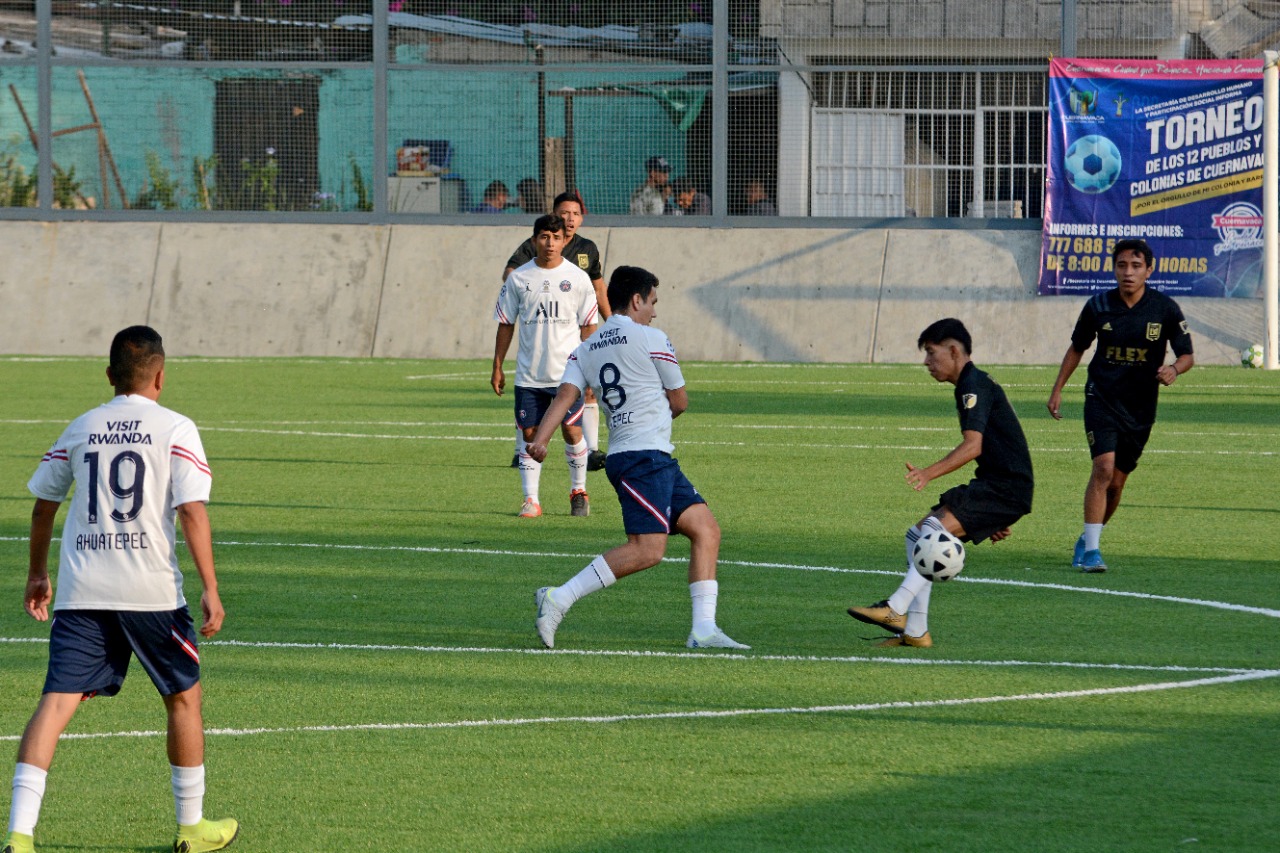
(554, 303)
(134, 465)
(636, 376)
(571, 207)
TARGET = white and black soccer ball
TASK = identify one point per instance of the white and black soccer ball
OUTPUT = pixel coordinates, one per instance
(938, 555)
(1251, 356)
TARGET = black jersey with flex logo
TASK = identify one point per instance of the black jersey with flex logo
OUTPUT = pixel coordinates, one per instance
(1131, 347)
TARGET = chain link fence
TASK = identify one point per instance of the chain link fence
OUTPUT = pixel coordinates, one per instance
(385, 110)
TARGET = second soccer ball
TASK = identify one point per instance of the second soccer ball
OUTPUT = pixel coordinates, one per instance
(1251, 356)
(938, 555)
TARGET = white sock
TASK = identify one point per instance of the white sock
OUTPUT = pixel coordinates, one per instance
(530, 473)
(28, 794)
(595, 577)
(704, 594)
(912, 583)
(1092, 536)
(188, 793)
(576, 456)
(519, 439)
(918, 612)
(591, 425)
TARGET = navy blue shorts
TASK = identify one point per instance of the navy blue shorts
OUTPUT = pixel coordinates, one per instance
(89, 650)
(532, 404)
(652, 489)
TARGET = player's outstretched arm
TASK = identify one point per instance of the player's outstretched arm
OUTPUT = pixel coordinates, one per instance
(501, 343)
(602, 298)
(1070, 361)
(566, 396)
(38, 594)
(199, 535)
(678, 400)
(969, 449)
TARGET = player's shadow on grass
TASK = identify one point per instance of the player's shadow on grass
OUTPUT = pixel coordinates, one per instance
(1090, 789)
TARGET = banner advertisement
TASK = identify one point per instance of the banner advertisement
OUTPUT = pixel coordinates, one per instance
(1166, 150)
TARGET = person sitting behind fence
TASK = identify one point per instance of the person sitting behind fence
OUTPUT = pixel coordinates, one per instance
(757, 200)
(689, 201)
(529, 196)
(494, 199)
(650, 198)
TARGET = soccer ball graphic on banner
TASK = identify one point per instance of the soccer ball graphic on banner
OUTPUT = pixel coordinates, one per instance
(1093, 164)
(1251, 356)
(938, 555)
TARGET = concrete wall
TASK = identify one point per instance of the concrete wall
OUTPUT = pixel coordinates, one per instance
(428, 291)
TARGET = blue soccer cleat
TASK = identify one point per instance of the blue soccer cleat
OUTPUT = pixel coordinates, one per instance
(1077, 556)
(1092, 563)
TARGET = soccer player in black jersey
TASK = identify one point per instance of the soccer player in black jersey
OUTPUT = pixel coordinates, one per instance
(987, 506)
(1134, 326)
(570, 207)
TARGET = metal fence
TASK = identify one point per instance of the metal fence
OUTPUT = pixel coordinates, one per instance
(400, 110)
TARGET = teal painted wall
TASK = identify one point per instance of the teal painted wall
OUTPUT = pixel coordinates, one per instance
(490, 117)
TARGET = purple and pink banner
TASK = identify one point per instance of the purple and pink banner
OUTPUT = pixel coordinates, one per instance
(1166, 150)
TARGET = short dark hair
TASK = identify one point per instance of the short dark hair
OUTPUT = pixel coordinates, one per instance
(570, 195)
(683, 184)
(627, 282)
(495, 189)
(135, 353)
(947, 329)
(547, 222)
(1133, 244)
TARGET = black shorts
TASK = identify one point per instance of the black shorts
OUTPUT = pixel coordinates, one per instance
(984, 508)
(1107, 433)
(89, 650)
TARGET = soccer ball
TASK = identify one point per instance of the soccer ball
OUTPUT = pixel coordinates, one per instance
(1093, 164)
(938, 555)
(1251, 356)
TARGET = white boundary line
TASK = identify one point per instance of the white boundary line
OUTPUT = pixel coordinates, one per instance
(1233, 676)
(693, 655)
(700, 715)
(498, 552)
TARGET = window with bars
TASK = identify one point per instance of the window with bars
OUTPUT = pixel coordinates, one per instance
(921, 142)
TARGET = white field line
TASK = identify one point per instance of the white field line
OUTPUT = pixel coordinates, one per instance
(686, 443)
(1232, 677)
(270, 429)
(499, 552)
(691, 655)
(699, 715)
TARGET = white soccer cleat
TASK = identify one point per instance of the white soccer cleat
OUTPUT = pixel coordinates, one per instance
(716, 640)
(548, 617)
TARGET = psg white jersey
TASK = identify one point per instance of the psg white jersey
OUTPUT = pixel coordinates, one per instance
(550, 306)
(132, 462)
(631, 367)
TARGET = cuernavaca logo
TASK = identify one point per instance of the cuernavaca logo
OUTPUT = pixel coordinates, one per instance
(1083, 102)
(1239, 226)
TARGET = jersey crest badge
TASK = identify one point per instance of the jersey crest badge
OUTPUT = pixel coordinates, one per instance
(583, 261)
(1183, 326)
(566, 286)
(1106, 327)
(969, 400)
(1153, 331)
